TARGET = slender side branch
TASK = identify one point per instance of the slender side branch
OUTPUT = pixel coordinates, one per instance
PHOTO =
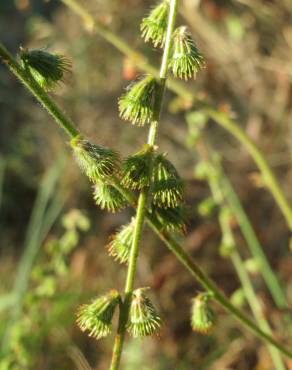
(267, 173)
(169, 241)
(50, 106)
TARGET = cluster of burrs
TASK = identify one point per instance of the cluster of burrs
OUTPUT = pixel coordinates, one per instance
(96, 317)
(147, 169)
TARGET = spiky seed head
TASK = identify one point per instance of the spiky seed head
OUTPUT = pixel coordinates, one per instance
(121, 243)
(97, 162)
(143, 318)
(167, 188)
(108, 197)
(48, 69)
(136, 169)
(171, 219)
(95, 317)
(136, 105)
(154, 27)
(202, 315)
(186, 59)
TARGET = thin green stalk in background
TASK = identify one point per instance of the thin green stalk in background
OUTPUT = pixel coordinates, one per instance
(255, 305)
(218, 196)
(268, 176)
(142, 201)
(220, 118)
(253, 243)
(169, 241)
(2, 173)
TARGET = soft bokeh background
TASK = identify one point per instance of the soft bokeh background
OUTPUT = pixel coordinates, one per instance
(50, 255)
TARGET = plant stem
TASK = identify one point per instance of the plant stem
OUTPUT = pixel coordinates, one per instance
(267, 173)
(169, 241)
(220, 118)
(142, 201)
(209, 285)
(255, 247)
(255, 305)
(38, 92)
(218, 195)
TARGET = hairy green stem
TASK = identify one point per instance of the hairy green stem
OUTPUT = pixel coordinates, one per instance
(220, 118)
(209, 285)
(142, 201)
(38, 92)
(169, 241)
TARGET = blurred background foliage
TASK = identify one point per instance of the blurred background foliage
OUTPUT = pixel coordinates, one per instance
(53, 236)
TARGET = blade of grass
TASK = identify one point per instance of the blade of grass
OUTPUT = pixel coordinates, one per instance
(42, 218)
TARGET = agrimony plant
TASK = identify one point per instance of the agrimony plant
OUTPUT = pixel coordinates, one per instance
(139, 115)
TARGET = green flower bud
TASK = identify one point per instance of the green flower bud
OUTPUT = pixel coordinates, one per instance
(96, 317)
(136, 105)
(167, 188)
(171, 219)
(202, 316)
(47, 69)
(108, 197)
(154, 27)
(227, 245)
(207, 207)
(143, 319)
(202, 170)
(121, 243)
(97, 162)
(186, 59)
(136, 169)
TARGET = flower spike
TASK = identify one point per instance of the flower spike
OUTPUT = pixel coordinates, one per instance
(47, 69)
(96, 161)
(108, 197)
(154, 26)
(143, 319)
(136, 105)
(96, 317)
(167, 187)
(186, 59)
(136, 169)
(121, 243)
(203, 317)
